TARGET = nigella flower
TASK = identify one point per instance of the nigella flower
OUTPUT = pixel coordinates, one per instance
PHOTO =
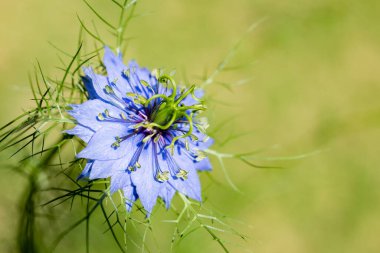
(143, 132)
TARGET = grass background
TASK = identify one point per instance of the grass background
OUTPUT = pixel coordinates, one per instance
(315, 86)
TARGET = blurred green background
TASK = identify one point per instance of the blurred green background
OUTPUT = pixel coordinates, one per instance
(315, 86)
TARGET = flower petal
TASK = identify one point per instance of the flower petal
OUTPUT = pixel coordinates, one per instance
(101, 169)
(130, 195)
(115, 68)
(190, 187)
(86, 171)
(138, 76)
(166, 193)
(82, 132)
(87, 113)
(120, 180)
(96, 85)
(101, 147)
(203, 165)
(146, 185)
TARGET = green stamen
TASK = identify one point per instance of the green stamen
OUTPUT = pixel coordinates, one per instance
(116, 144)
(109, 90)
(127, 72)
(123, 116)
(163, 176)
(106, 112)
(144, 83)
(182, 174)
(189, 133)
(184, 95)
(100, 117)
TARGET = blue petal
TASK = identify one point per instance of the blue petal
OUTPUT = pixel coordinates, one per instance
(166, 193)
(86, 171)
(203, 165)
(117, 169)
(101, 169)
(113, 63)
(82, 132)
(130, 195)
(146, 186)
(142, 73)
(90, 88)
(87, 113)
(115, 68)
(120, 180)
(96, 84)
(190, 187)
(100, 145)
(139, 75)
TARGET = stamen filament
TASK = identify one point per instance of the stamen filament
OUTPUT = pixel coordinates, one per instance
(187, 134)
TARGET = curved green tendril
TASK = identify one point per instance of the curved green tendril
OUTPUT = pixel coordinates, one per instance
(164, 78)
(164, 97)
(184, 95)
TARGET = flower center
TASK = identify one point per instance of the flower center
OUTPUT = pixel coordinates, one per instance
(170, 110)
(166, 114)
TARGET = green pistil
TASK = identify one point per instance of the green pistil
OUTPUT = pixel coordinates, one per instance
(184, 95)
(168, 112)
(165, 116)
(165, 79)
(165, 98)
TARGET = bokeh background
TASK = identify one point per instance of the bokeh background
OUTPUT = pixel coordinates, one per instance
(314, 86)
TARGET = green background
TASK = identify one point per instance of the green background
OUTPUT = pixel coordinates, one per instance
(314, 86)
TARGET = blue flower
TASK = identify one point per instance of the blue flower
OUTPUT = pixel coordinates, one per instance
(143, 132)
